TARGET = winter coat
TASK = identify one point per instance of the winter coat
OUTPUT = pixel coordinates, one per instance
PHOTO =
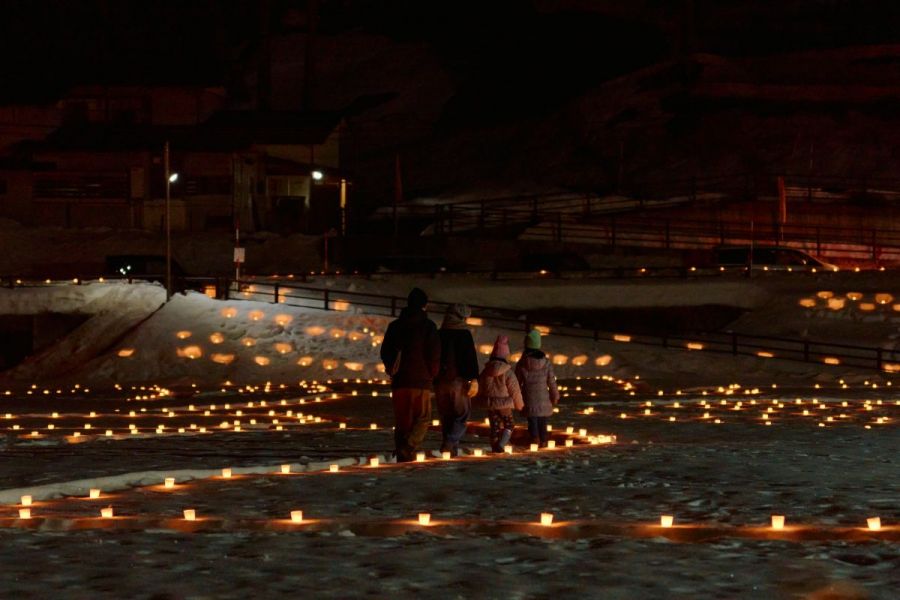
(458, 358)
(415, 338)
(497, 386)
(538, 382)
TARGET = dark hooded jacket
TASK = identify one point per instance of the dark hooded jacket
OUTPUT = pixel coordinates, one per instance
(414, 336)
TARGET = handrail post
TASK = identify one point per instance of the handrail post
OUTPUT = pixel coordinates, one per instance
(275, 294)
(325, 298)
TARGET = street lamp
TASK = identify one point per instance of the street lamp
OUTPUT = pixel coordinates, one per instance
(170, 179)
(317, 175)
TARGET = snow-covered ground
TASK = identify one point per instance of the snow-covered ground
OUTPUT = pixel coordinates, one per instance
(720, 458)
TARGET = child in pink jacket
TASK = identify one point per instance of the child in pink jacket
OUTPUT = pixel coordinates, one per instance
(499, 391)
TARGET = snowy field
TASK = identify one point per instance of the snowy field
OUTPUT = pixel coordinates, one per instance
(717, 447)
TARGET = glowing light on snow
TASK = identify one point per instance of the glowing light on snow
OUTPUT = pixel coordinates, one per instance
(807, 302)
(884, 298)
(764, 354)
(256, 315)
(560, 359)
(183, 335)
(305, 361)
(486, 348)
(261, 360)
(340, 305)
(424, 518)
(353, 366)
(216, 338)
(329, 364)
(315, 330)
(282, 319)
(474, 322)
(283, 347)
(854, 296)
(248, 342)
(229, 313)
(621, 337)
(222, 359)
(546, 519)
(836, 303)
(778, 522)
(126, 352)
(866, 306)
(603, 360)
(694, 346)
(825, 295)
(831, 360)
(580, 360)
(191, 352)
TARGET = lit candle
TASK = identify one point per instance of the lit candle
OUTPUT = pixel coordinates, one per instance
(373, 462)
(94, 493)
(570, 429)
(533, 448)
(226, 473)
(169, 482)
(334, 468)
(478, 452)
(420, 457)
(582, 432)
(424, 518)
(445, 455)
(297, 516)
(546, 519)
(342, 426)
(551, 444)
(190, 514)
(106, 513)
(666, 520)
(285, 469)
(777, 521)
(24, 513)
(25, 501)
(570, 443)
(508, 449)
(435, 423)
(874, 523)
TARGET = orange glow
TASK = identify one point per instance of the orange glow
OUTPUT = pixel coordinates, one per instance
(126, 352)
(694, 346)
(830, 360)
(807, 302)
(216, 338)
(222, 359)
(474, 322)
(315, 330)
(261, 360)
(283, 347)
(183, 335)
(282, 319)
(622, 338)
(229, 313)
(340, 305)
(256, 315)
(305, 361)
(191, 352)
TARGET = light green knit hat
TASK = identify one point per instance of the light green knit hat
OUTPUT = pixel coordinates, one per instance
(533, 340)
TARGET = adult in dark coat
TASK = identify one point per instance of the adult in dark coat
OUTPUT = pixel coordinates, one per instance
(411, 353)
(457, 380)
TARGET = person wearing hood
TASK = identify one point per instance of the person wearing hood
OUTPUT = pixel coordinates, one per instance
(411, 353)
(457, 381)
(539, 391)
(499, 391)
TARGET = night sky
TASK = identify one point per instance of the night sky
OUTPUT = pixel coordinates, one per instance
(553, 48)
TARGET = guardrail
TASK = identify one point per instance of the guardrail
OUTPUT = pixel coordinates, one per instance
(733, 343)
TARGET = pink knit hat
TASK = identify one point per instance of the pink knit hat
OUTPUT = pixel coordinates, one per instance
(501, 347)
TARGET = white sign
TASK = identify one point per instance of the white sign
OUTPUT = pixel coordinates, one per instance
(240, 255)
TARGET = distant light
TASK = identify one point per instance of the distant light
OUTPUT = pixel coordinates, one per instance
(173, 177)
(317, 175)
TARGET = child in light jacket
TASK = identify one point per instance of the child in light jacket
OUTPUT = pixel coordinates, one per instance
(499, 391)
(539, 392)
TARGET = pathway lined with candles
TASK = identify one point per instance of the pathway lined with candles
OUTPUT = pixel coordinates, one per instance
(721, 461)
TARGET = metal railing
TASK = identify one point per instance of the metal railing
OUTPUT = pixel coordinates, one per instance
(733, 343)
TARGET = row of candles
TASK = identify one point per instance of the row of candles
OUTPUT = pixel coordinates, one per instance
(546, 519)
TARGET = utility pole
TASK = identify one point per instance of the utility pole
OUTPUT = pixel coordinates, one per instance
(168, 177)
